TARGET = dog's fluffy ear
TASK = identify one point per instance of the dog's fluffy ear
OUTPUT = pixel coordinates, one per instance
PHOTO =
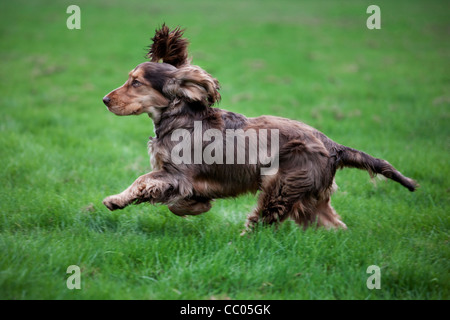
(169, 47)
(193, 84)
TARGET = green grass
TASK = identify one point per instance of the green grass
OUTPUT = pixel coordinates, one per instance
(382, 91)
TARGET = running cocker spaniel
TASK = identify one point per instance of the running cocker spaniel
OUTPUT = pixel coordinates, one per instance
(201, 153)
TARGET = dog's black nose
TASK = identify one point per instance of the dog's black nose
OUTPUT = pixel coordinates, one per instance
(106, 100)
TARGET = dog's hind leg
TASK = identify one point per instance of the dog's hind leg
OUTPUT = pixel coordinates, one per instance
(328, 217)
(269, 210)
(319, 213)
(273, 206)
(314, 208)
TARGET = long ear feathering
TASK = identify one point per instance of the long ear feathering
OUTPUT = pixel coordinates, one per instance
(169, 47)
(193, 84)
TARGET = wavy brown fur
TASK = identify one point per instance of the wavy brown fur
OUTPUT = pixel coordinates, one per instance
(169, 46)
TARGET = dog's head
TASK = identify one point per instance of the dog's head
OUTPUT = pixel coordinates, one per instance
(167, 80)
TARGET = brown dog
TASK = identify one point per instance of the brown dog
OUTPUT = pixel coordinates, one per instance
(296, 180)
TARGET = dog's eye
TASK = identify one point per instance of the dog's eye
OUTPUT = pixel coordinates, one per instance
(136, 83)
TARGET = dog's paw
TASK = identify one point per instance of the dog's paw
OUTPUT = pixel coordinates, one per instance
(113, 203)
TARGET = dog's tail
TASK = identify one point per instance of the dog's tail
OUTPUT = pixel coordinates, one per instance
(352, 158)
(169, 46)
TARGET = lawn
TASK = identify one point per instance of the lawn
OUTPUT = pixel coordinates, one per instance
(386, 92)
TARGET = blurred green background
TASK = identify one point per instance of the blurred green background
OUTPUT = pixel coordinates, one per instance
(383, 91)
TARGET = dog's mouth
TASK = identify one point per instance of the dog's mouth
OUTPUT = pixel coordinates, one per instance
(128, 110)
(117, 111)
(112, 107)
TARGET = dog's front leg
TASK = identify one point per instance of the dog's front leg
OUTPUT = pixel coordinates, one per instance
(151, 187)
